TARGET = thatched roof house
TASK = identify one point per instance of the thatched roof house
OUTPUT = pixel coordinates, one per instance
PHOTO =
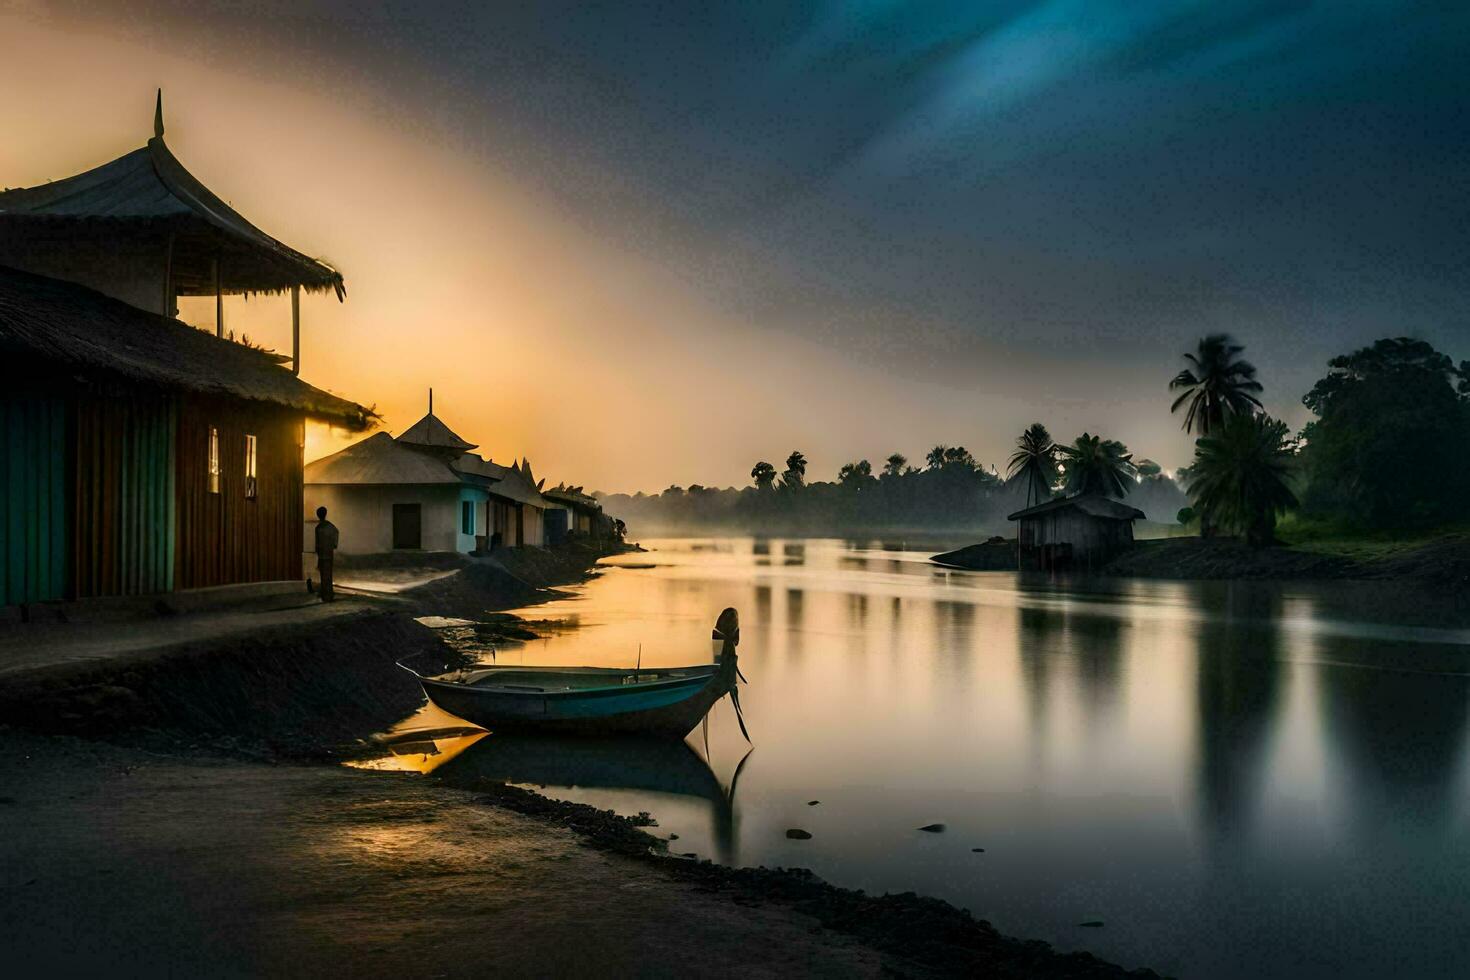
(1081, 531)
(140, 455)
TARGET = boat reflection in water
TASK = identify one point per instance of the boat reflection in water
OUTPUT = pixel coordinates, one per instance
(669, 775)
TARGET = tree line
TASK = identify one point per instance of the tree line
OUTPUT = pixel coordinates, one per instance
(948, 489)
(1389, 446)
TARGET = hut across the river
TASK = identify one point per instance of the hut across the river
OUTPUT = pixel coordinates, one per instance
(1074, 532)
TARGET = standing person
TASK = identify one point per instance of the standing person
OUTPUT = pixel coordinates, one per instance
(326, 549)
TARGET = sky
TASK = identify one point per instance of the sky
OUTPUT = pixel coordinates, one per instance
(653, 243)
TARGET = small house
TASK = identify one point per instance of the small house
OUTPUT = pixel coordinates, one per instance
(1079, 532)
(423, 491)
(574, 513)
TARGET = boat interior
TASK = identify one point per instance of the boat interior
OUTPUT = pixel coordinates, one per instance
(544, 679)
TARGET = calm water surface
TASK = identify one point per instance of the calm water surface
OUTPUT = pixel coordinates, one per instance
(1237, 779)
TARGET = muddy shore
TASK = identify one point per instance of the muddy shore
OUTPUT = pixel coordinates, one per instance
(180, 813)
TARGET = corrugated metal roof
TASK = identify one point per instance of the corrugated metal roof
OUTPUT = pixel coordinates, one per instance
(73, 327)
(382, 460)
(1094, 505)
(430, 431)
(573, 497)
(480, 466)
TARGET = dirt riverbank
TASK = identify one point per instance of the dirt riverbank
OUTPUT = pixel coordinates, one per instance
(186, 834)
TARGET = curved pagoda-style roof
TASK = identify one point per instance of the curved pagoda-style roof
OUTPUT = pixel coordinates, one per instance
(431, 433)
(77, 330)
(1093, 505)
(148, 195)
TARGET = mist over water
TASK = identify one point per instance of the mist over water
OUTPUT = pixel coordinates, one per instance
(1238, 779)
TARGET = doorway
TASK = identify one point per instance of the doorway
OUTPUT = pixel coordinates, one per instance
(407, 526)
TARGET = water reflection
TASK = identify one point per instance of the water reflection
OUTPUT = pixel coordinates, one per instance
(1401, 736)
(1238, 668)
(1245, 779)
(631, 768)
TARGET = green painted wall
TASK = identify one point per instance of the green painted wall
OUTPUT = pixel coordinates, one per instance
(33, 519)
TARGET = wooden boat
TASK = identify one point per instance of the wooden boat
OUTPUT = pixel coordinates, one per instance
(666, 702)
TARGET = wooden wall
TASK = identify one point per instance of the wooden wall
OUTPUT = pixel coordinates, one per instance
(227, 537)
(1092, 540)
(122, 540)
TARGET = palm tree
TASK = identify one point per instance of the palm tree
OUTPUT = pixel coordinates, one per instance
(795, 475)
(1216, 385)
(893, 465)
(936, 456)
(1241, 474)
(764, 474)
(1035, 462)
(1097, 465)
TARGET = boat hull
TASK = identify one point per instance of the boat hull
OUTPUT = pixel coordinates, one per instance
(669, 710)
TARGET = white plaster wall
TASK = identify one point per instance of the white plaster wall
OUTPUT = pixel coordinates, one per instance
(364, 516)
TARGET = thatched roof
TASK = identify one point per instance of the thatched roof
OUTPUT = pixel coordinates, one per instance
(1094, 505)
(142, 198)
(76, 329)
(431, 433)
(380, 460)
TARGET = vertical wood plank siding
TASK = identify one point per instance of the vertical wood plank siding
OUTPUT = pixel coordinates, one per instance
(228, 537)
(123, 508)
(33, 493)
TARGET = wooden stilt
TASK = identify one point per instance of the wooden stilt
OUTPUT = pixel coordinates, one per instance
(219, 300)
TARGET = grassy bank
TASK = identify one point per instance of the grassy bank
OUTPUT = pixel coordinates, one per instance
(1441, 560)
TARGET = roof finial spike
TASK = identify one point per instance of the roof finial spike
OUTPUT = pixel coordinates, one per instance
(158, 116)
(431, 401)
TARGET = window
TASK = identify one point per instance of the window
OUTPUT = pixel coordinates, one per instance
(467, 517)
(249, 467)
(213, 460)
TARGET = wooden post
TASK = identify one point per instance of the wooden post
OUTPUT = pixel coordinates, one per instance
(295, 329)
(168, 277)
(219, 300)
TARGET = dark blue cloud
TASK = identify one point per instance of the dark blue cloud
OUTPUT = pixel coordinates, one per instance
(926, 183)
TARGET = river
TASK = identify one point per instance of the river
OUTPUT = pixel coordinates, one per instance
(1234, 779)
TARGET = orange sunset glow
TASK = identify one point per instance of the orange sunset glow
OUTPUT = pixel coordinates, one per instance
(541, 338)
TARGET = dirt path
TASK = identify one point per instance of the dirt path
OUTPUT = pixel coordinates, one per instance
(116, 861)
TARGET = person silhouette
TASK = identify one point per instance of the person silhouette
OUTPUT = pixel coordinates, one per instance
(327, 538)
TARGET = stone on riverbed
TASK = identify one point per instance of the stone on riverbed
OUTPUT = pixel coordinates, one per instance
(795, 833)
